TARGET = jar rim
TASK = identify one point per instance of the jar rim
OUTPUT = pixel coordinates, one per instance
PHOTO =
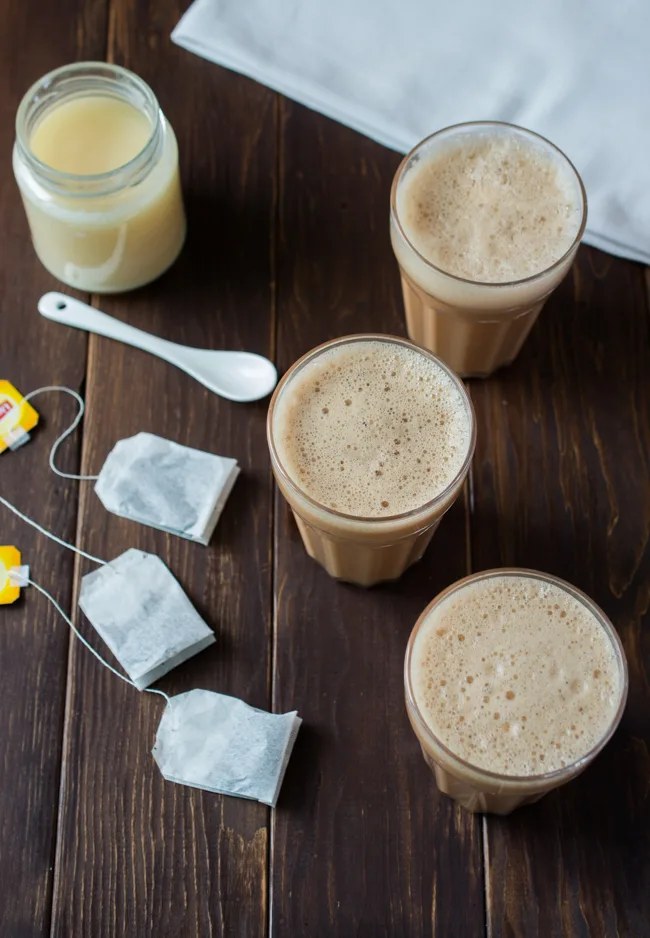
(67, 81)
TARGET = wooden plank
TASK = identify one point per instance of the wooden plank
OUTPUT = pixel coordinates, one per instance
(137, 855)
(33, 639)
(363, 843)
(561, 484)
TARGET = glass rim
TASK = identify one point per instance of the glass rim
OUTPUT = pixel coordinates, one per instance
(592, 607)
(105, 70)
(471, 125)
(389, 340)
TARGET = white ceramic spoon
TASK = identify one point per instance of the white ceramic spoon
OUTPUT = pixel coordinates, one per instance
(239, 376)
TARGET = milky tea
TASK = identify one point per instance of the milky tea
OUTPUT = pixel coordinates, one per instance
(515, 681)
(371, 439)
(485, 222)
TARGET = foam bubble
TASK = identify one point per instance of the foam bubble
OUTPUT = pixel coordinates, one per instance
(491, 208)
(372, 429)
(545, 681)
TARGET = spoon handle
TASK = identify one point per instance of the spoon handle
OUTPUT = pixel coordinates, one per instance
(65, 309)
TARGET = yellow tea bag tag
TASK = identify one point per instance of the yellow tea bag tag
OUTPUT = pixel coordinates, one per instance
(17, 418)
(12, 575)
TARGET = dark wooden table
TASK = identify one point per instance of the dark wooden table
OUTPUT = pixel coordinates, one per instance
(288, 246)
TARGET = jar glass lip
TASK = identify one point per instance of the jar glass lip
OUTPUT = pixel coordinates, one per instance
(588, 603)
(373, 521)
(87, 79)
(470, 127)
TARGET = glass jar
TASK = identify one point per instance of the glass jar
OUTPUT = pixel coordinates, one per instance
(110, 231)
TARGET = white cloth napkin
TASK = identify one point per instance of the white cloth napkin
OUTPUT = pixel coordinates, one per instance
(576, 72)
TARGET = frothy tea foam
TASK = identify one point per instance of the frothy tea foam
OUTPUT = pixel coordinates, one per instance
(515, 675)
(491, 208)
(372, 429)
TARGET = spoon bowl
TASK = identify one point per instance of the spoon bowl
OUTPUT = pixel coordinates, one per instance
(239, 376)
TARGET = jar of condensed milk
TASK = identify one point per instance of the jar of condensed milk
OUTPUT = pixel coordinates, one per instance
(97, 167)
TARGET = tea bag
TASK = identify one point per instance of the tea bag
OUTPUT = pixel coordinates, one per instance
(143, 615)
(167, 486)
(219, 743)
(204, 740)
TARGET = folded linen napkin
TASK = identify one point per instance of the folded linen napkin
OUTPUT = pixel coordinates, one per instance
(578, 73)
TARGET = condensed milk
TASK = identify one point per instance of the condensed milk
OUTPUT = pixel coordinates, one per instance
(97, 167)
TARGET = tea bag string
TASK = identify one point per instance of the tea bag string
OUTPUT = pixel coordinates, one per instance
(53, 537)
(66, 433)
(148, 690)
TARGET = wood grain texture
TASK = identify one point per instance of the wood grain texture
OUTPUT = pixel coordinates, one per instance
(560, 483)
(33, 639)
(363, 844)
(138, 856)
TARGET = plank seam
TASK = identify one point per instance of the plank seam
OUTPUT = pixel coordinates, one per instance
(67, 709)
(469, 508)
(277, 193)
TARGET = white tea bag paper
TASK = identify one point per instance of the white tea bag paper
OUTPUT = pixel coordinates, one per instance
(220, 744)
(165, 485)
(140, 610)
